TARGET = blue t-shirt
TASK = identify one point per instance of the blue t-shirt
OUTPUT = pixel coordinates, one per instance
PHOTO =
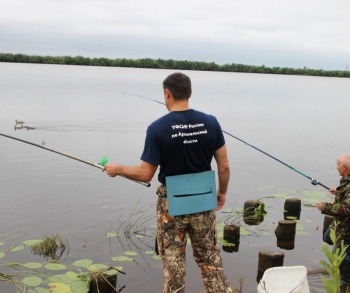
(182, 142)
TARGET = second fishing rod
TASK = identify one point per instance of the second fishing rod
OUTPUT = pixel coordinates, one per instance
(313, 180)
(99, 165)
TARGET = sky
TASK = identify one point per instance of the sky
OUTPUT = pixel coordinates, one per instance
(275, 33)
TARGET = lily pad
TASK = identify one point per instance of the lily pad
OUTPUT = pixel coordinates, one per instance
(112, 234)
(83, 263)
(72, 275)
(31, 242)
(222, 241)
(32, 281)
(12, 264)
(291, 218)
(220, 226)
(157, 257)
(281, 195)
(111, 272)
(55, 266)
(122, 258)
(59, 288)
(16, 248)
(2, 254)
(61, 278)
(130, 253)
(149, 252)
(244, 231)
(302, 233)
(97, 267)
(39, 290)
(81, 286)
(119, 268)
(2, 243)
(32, 265)
(265, 233)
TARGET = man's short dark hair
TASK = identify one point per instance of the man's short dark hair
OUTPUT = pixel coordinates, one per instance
(179, 85)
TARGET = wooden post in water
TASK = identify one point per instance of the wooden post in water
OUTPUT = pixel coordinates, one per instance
(231, 235)
(250, 214)
(327, 221)
(103, 283)
(292, 208)
(268, 259)
(285, 233)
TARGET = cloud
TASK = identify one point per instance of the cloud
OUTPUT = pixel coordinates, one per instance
(270, 32)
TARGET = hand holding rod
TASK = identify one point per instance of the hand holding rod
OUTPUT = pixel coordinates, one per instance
(147, 184)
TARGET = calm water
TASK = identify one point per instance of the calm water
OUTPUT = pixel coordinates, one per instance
(91, 112)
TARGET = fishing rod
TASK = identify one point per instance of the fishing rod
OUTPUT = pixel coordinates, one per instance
(99, 165)
(313, 181)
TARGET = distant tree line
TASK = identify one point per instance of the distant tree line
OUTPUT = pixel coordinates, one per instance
(168, 64)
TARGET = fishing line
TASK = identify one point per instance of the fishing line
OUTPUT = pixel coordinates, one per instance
(313, 181)
(99, 165)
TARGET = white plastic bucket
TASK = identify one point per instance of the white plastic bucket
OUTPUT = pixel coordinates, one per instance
(292, 279)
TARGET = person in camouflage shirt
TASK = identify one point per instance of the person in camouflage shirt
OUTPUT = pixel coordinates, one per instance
(340, 210)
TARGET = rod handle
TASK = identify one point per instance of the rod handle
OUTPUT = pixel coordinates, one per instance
(147, 184)
(315, 182)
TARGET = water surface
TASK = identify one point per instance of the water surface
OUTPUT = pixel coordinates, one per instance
(92, 112)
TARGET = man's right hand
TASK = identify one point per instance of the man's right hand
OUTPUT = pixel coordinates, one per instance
(221, 201)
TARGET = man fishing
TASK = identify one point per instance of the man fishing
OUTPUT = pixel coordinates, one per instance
(340, 210)
(183, 143)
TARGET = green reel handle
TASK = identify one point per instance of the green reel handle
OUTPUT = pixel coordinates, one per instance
(103, 161)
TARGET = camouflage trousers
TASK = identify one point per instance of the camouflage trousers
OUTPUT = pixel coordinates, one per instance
(172, 235)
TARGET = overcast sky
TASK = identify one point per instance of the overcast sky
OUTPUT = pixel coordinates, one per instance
(285, 33)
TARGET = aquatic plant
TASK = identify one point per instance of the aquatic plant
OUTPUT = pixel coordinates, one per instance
(335, 258)
(52, 276)
(50, 247)
(136, 236)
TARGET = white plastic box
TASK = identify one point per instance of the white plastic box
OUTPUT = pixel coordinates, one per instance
(292, 279)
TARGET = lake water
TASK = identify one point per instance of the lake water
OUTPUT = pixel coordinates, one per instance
(91, 112)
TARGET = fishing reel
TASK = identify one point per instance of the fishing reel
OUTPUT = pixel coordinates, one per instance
(314, 182)
(103, 162)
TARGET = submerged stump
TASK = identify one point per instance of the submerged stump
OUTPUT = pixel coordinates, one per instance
(286, 229)
(268, 259)
(292, 208)
(231, 235)
(231, 248)
(327, 222)
(286, 243)
(292, 205)
(285, 233)
(253, 212)
(103, 283)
